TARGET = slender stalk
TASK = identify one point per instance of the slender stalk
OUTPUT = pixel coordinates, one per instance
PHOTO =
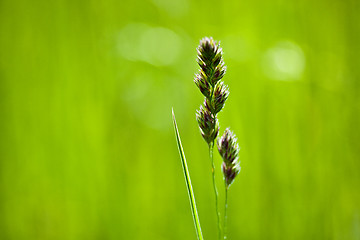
(211, 151)
(211, 154)
(225, 212)
(229, 151)
(188, 182)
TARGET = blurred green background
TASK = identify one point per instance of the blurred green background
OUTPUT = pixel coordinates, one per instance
(87, 148)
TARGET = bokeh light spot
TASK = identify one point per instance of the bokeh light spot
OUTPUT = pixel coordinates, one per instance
(285, 61)
(160, 46)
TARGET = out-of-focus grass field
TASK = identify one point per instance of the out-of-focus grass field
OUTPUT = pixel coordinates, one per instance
(87, 148)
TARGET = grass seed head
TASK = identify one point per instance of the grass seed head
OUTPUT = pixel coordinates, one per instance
(210, 60)
(220, 95)
(229, 151)
(212, 70)
(202, 83)
(208, 124)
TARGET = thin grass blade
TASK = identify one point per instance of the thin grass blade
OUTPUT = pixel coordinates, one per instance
(188, 182)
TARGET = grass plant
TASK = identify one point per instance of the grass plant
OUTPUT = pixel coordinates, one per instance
(208, 80)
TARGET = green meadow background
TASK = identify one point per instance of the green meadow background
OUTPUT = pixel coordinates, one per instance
(87, 147)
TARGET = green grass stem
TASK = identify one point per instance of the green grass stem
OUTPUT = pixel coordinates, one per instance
(211, 153)
(225, 212)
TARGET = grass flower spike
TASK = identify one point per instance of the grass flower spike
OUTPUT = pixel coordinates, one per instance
(229, 151)
(211, 71)
(210, 60)
(208, 80)
(221, 94)
(207, 123)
